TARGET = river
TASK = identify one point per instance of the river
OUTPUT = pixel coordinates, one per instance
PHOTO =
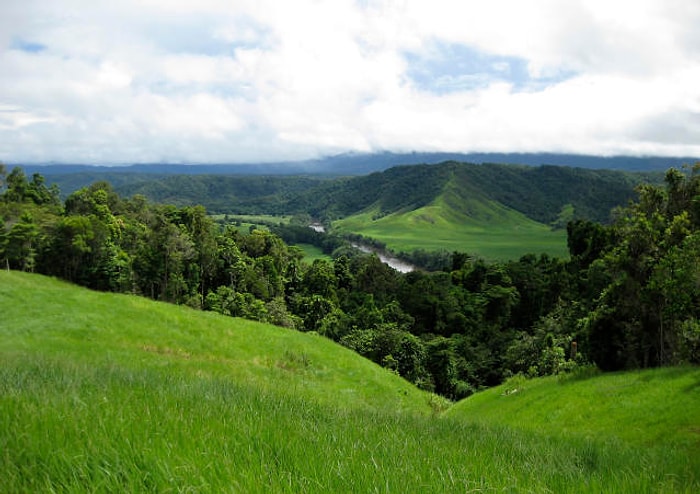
(397, 264)
(393, 262)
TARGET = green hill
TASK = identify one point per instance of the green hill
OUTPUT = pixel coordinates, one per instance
(460, 217)
(112, 393)
(539, 193)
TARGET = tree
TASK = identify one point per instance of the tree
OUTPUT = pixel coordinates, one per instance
(3, 175)
(16, 185)
(586, 241)
(320, 279)
(21, 248)
(441, 362)
(19, 189)
(674, 286)
(651, 295)
(4, 261)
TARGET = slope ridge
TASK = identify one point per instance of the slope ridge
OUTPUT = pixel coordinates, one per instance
(108, 393)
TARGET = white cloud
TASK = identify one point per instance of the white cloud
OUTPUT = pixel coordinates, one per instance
(268, 80)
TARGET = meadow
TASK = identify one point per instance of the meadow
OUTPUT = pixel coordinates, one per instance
(507, 235)
(115, 393)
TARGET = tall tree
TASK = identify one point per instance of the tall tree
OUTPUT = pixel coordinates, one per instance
(4, 261)
(21, 248)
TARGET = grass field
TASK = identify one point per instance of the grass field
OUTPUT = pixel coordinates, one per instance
(650, 408)
(255, 219)
(500, 234)
(311, 252)
(109, 393)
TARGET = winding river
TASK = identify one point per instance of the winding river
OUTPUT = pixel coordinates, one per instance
(397, 264)
(393, 262)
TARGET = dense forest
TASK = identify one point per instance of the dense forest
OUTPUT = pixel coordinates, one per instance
(627, 297)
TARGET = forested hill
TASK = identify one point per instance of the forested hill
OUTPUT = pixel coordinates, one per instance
(538, 192)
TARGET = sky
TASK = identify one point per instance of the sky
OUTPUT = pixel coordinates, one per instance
(227, 81)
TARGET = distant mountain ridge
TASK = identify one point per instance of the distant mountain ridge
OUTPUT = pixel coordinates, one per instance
(364, 163)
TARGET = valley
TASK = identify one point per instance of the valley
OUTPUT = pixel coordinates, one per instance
(497, 212)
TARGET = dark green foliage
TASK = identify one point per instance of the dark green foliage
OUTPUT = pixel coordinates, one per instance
(21, 244)
(237, 194)
(4, 261)
(650, 290)
(19, 189)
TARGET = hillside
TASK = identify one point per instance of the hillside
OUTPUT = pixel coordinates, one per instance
(226, 194)
(539, 193)
(348, 164)
(458, 220)
(56, 320)
(649, 408)
(112, 393)
(495, 211)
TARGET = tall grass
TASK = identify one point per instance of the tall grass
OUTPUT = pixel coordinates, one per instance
(68, 427)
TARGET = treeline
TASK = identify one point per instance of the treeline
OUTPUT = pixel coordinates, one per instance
(628, 297)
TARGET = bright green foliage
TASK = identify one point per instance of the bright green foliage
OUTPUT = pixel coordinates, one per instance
(19, 189)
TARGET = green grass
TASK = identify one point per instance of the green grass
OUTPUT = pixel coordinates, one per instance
(311, 252)
(108, 393)
(254, 218)
(650, 408)
(56, 320)
(498, 234)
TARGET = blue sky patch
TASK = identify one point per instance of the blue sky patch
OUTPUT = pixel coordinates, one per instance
(204, 35)
(27, 46)
(445, 68)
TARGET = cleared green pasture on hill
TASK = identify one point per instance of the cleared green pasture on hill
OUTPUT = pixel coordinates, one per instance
(112, 393)
(255, 219)
(498, 233)
(311, 252)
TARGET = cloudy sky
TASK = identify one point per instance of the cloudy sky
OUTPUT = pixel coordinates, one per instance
(227, 81)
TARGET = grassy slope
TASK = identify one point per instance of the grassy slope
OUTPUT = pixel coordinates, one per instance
(48, 317)
(460, 219)
(651, 408)
(107, 393)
